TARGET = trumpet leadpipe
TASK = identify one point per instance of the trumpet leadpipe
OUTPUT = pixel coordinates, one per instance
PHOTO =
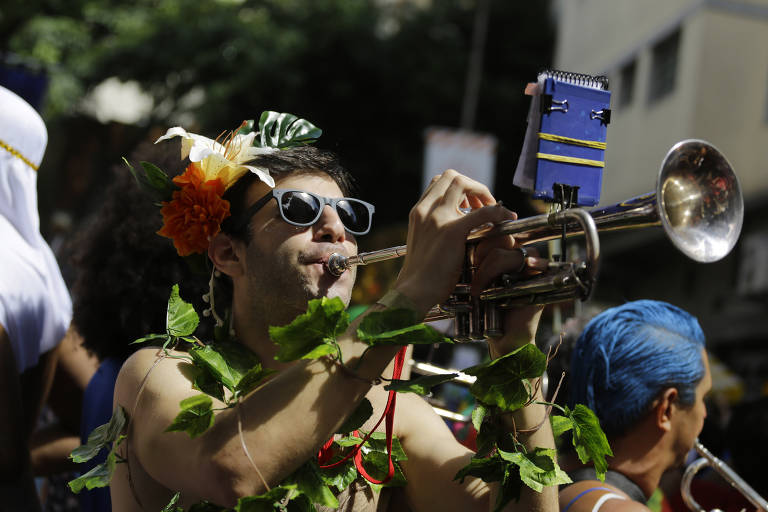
(338, 263)
(545, 226)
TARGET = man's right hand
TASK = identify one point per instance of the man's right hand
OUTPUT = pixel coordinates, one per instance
(437, 235)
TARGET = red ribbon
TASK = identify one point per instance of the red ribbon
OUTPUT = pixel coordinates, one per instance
(326, 452)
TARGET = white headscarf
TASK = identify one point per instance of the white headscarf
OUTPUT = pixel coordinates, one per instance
(35, 308)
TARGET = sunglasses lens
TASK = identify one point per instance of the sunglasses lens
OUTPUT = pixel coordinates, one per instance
(300, 207)
(354, 215)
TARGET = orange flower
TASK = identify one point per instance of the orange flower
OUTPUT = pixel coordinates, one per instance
(195, 213)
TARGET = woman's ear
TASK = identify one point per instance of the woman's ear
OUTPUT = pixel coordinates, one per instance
(664, 408)
(227, 255)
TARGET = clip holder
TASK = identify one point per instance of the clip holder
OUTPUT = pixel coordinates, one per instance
(547, 103)
(603, 115)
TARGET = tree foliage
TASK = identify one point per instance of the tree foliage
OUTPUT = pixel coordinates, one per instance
(372, 74)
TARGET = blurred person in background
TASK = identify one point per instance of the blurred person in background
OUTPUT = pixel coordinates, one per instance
(123, 275)
(642, 368)
(35, 307)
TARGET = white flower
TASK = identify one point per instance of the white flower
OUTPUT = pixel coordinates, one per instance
(225, 161)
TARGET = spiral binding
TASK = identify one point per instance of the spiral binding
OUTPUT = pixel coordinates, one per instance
(597, 82)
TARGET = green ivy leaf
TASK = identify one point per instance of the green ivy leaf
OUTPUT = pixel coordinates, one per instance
(504, 381)
(378, 442)
(488, 434)
(209, 358)
(376, 463)
(171, 506)
(158, 181)
(589, 439)
(101, 437)
(538, 469)
(196, 416)
(252, 379)
(229, 363)
(181, 319)
(478, 415)
(359, 416)
(420, 385)
(510, 487)
(560, 425)
(397, 326)
(339, 476)
(284, 130)
(153, 181)
(309, 482)
(205, 381)
(312, 333)
(99, 476)
(488, 469)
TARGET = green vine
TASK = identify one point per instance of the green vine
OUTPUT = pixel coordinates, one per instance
(228, 370)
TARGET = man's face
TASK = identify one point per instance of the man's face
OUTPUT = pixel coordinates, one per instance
(690, 419)
(285, 263)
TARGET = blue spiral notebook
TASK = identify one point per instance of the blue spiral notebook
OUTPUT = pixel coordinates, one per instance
(566, 137)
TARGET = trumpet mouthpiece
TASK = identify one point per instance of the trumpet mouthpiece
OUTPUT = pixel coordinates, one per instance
(337, 264)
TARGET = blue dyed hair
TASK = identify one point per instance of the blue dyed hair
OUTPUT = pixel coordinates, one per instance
(628, 354)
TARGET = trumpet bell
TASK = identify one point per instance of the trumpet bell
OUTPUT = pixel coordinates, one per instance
(699, 200)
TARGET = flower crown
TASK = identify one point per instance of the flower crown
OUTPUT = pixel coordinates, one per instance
(193, 206)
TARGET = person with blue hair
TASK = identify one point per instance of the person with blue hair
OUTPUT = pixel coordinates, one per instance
(642, 368)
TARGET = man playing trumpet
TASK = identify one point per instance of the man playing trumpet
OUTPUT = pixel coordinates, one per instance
(274, 253)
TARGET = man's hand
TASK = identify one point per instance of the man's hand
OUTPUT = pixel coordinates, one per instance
(437, 235)
(496, 256)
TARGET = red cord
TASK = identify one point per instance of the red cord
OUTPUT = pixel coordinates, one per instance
(326, 452)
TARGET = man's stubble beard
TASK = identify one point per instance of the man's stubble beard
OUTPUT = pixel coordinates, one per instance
(279, 288)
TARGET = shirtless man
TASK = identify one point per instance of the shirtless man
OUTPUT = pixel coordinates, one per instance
(642, 368)
(275, 267)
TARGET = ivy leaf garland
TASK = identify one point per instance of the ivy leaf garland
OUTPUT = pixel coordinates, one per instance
(227, 370)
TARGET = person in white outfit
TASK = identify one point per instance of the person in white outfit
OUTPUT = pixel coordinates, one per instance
(35, 307)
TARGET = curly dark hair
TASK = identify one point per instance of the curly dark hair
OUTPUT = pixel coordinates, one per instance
(123, 270)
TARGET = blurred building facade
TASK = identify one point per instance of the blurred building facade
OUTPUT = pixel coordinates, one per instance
(683, 69)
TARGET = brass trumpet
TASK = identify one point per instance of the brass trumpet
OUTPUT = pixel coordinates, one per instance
(728, 474)
(697, 201)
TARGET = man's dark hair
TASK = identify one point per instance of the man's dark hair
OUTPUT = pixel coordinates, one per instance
(124, 271)
(299, 160)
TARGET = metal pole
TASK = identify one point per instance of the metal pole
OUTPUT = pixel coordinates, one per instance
(475, 68)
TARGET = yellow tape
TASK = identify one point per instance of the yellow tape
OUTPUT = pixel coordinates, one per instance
(15, 153)
(570, 160)
(576, 142)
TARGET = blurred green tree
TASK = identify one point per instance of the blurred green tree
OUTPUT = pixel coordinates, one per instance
(373, 74)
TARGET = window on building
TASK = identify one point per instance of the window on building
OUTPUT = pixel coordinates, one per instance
(664, 67)
(627, 84)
